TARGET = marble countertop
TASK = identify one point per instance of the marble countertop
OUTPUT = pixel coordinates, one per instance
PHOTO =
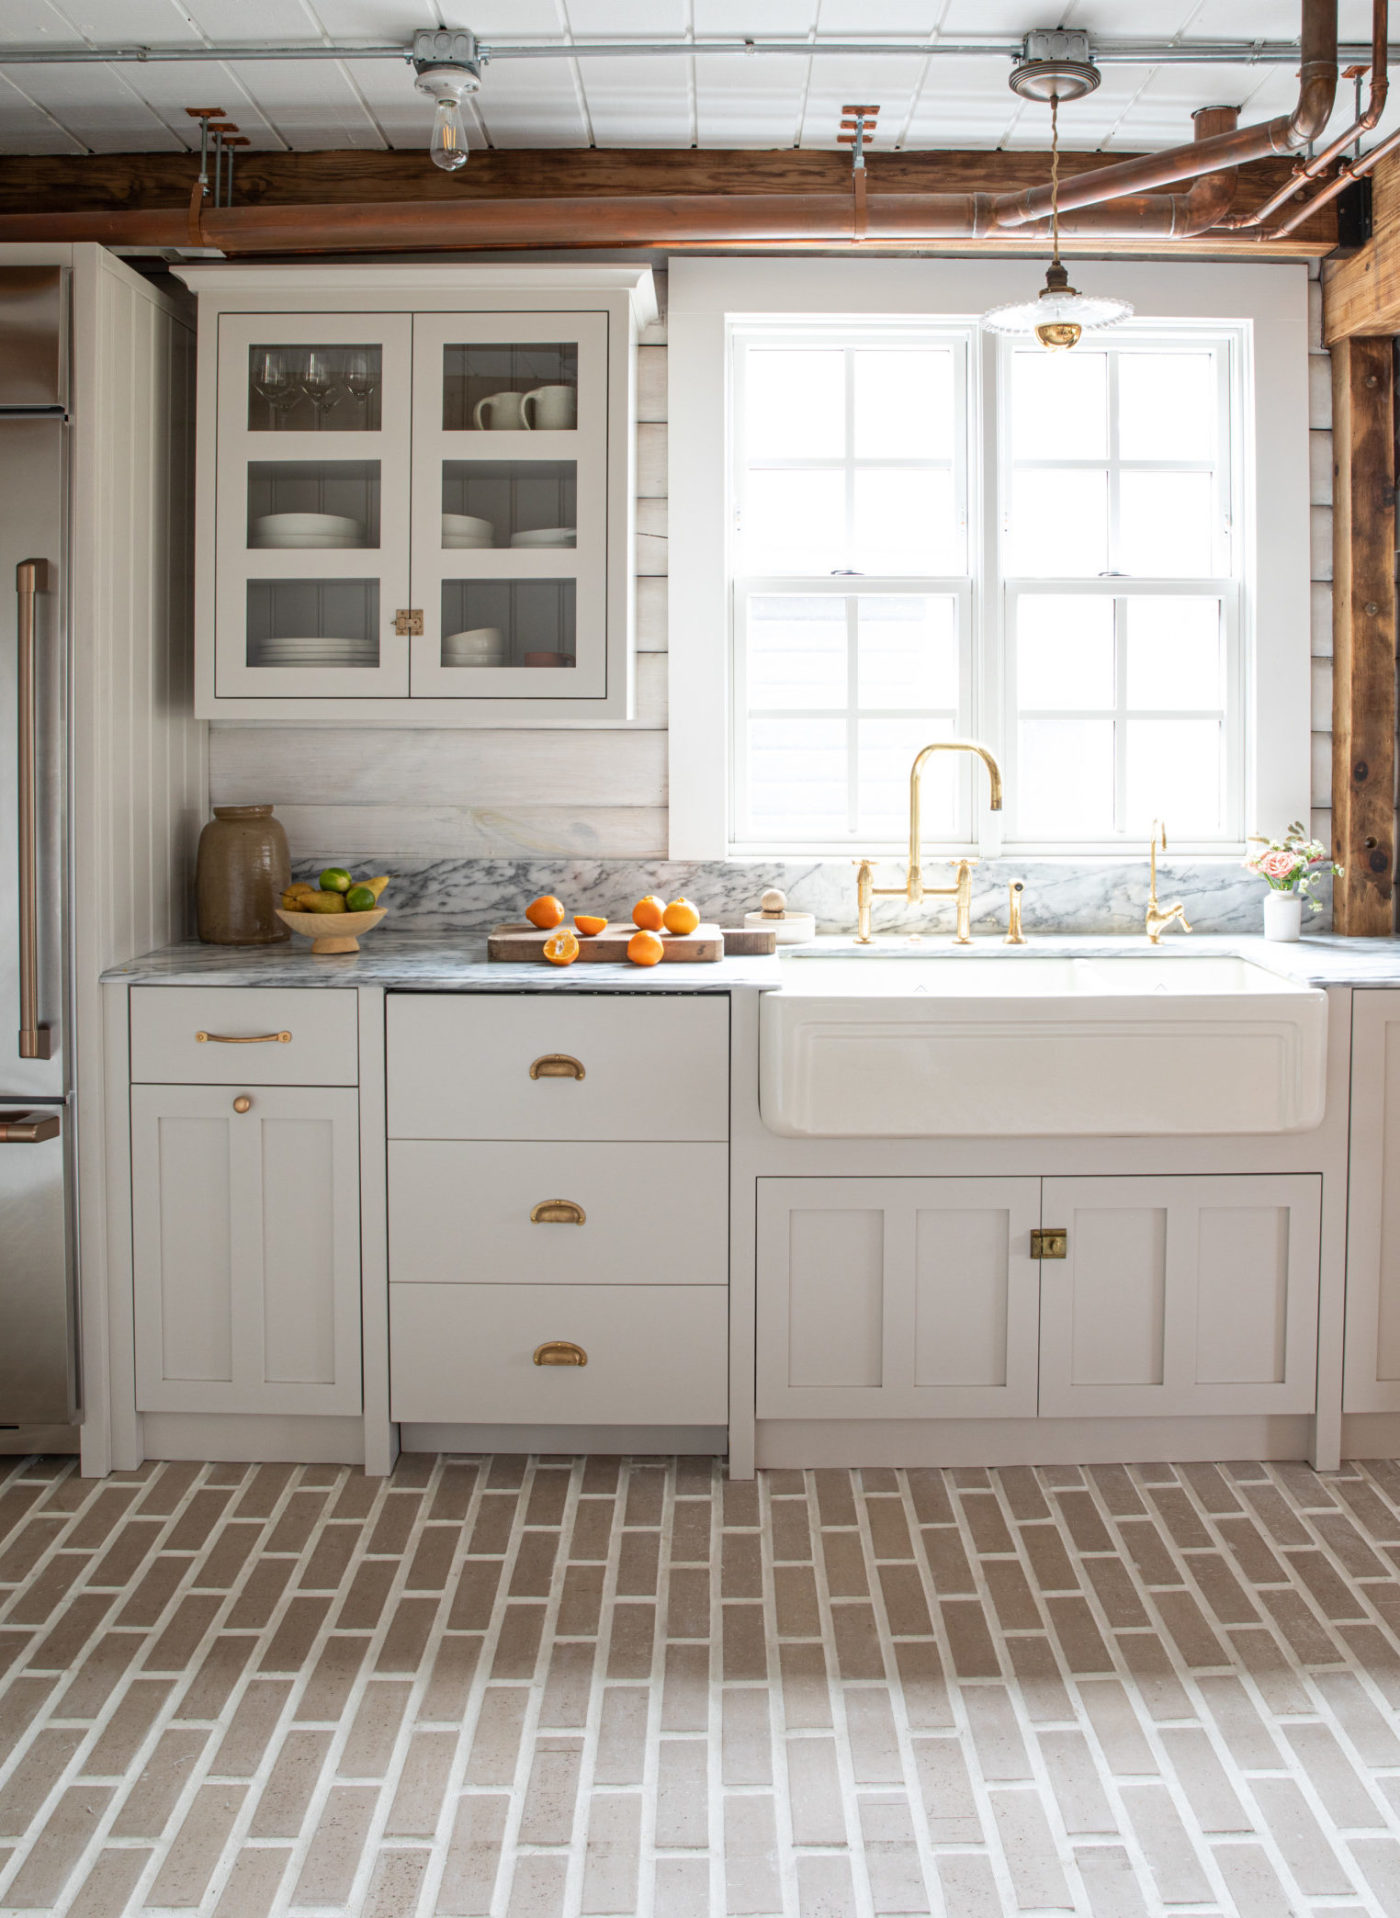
(447, 962)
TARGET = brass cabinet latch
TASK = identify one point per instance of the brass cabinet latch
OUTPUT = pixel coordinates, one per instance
(1050, 1242)
(408, 622)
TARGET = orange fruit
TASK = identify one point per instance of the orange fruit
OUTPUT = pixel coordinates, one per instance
(649, 913)
(545, 911)
(561, 948)
(681, 916)
(589, 923)
(645, 948)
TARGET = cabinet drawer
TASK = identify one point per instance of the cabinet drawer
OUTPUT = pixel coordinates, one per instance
(464, 1354)
(650, 1214)
(214, 1035)
(615, 1066)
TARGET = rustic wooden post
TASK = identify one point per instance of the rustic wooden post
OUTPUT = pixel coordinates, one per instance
(1363, 635)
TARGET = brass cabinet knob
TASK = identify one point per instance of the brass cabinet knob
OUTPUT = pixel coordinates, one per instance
(556, 1065)
(560, 1352)
(243, 1103)
(557, 1212)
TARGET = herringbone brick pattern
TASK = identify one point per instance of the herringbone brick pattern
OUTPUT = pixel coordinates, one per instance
(538, 1687)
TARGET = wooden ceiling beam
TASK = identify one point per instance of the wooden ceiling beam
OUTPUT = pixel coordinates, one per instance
(1361, 290)
(140, 181)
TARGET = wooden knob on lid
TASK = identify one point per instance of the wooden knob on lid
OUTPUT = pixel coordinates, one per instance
(774, 903)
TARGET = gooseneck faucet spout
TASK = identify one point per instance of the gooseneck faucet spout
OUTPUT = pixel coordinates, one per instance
(1159, 917)
(914, 888)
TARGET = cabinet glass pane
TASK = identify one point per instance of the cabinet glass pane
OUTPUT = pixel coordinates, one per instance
(509, 387)
(314, 389)
(303, 505)
(306, 623)
(525, 503)
(508, 622)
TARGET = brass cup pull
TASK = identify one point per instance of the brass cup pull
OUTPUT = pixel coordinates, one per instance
(28, 1128)
(237, 1039)
(556, 1065)
(560, 1352)
(557, 1212)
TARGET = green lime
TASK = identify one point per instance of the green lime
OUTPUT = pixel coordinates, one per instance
(336, 879)
(359, 899)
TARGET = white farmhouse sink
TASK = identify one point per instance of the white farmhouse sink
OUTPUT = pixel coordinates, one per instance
(885, 1045)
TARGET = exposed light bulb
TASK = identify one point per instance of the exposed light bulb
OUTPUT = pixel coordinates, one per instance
(448, 147)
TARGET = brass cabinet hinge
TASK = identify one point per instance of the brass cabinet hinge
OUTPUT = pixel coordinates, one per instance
(408, 622)
(1050, 1242)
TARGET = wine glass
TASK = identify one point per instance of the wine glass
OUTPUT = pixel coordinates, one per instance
(277, 382)
(361, 377)
(321, 382)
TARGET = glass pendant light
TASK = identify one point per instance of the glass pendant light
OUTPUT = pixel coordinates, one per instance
(1062, 314)
(448, 146)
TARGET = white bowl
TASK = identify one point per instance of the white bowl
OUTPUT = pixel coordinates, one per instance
(453, 544)
(467, 665)
(464, 526)
(306, 529)
(547, 536)
(475, 638)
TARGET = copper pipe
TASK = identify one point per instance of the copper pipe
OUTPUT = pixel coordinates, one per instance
(31, 579)
(1317, 91)
(1338, 184)
(1318, 165)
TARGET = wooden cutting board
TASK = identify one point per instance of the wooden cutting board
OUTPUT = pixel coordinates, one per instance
(524, 943)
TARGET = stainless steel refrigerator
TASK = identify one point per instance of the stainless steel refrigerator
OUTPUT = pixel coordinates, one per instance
(38, 1267)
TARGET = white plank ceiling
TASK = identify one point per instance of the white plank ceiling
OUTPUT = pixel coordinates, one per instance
(714, 100)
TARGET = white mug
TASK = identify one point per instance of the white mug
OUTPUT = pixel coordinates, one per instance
(506, 410)
(556, 409)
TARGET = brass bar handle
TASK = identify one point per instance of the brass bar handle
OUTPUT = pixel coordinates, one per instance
(557, 1212)
(32, 577)
(28, 1128)
(238, 1039)
(560, 1352)
(556, 1065)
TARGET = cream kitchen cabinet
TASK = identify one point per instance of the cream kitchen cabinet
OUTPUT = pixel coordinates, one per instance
(415, 494)
(924, 1297)
(246, 1247)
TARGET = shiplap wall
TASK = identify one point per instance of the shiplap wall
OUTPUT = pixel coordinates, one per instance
(409, 793)
(399, 793)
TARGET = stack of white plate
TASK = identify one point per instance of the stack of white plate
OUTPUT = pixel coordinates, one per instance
(318, 651)
(547, 536)
(298, 532)
(462, 533)
(483, 646)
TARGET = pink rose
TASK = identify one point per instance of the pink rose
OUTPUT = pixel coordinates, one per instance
(1278, 864)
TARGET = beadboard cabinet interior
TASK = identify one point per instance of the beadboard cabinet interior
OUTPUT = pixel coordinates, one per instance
(416, 499)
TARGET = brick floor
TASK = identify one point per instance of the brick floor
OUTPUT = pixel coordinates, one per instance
(490, 1688)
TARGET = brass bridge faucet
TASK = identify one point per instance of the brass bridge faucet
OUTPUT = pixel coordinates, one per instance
(1160, 917)
(914, 888)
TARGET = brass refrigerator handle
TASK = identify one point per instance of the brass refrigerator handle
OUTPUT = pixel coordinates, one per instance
(32, 577)
(28, 1128)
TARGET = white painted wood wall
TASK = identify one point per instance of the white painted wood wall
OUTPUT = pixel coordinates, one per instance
(140, 770)
(368, 793)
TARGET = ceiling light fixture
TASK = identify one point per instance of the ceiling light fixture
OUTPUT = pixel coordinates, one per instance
(448, 68)
(1054, 70)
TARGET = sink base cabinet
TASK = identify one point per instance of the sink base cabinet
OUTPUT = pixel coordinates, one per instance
(246, 1242)
(889, 1299)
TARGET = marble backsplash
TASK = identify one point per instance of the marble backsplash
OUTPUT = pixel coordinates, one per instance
(1085, 896)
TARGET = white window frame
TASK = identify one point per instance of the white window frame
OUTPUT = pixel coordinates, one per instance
(1265, 304)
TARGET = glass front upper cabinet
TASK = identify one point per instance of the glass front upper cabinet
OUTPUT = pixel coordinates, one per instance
(427, 508)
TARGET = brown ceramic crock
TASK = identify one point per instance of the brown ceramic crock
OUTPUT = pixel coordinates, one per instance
(241, 872)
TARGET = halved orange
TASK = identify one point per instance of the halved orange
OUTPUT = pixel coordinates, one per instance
(544, 912)
(590, 924)
(649, 913)
(681, 916)
(561, 948)
(645, 949)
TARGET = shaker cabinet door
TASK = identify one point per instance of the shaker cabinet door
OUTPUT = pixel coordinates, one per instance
(897, 1298)
(1181, 1295)
(246, 1240)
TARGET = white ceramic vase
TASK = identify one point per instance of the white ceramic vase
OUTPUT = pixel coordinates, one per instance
(1283, 914)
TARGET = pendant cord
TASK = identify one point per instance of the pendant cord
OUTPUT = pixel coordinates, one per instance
(1055, 179)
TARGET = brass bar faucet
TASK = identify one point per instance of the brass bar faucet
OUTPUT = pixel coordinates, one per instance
(1014, 934)
(1160, 917)
(914, 888)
